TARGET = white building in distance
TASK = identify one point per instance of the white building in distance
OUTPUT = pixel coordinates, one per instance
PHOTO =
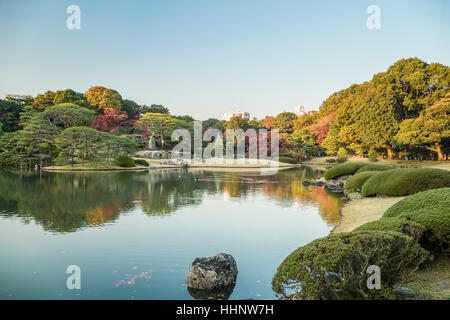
(299, 110)
(228, 115)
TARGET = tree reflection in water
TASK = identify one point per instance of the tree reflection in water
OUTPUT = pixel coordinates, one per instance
(66, 202)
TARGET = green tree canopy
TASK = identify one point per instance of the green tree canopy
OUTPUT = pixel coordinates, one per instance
(154, 108)
(157, 125)
(431, 129)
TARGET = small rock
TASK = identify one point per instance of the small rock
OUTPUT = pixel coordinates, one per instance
(214, 272)
(405, 293)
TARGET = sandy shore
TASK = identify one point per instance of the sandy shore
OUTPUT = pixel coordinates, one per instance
(358, 212)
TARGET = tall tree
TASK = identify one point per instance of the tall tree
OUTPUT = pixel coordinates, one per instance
(431, 129)
(154, 108)
(70, 96)
(110, 121)
(9, 115)
(101, 98)
(284, 122)
(131, 108)
(43, 101)
(157, 125)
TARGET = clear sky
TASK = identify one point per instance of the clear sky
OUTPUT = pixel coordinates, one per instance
(206, 57)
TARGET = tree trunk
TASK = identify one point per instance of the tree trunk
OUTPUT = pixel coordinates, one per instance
(439, 152)
(389, 151)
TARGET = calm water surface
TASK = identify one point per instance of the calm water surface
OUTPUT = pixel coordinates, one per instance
(135, 234)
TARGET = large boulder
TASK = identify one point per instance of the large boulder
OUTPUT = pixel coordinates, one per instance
(214, 272)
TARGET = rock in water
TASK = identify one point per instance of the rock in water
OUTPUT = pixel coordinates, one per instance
(212, 272)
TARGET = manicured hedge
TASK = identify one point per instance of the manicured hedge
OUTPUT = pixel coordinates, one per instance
(375, 167)
(344, 169)
(335, 267)
(125, 161)
(402, 182)
(141, 162)
(287, 160)
(432, 210)
(413, 229)
(356, 181)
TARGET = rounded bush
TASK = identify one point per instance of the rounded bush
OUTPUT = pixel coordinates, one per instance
(432, 210)
(335, 267)
(331, 160)
(343, 169)
(373, 155)
(342, 153)
(125, 161)
(405, 181)
(287, 160)
(341, 160)
(357, 180)
(375, 167)
(410, 228)
(142, 162)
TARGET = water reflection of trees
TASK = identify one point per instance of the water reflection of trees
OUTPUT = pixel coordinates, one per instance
(66, 202)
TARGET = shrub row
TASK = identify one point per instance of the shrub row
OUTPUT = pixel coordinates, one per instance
(335, 267)
(287, 160)
(125, 161)
(344, 169)
(356, 181)
(401, 182)
(142, 162)
(431, 209)
(375, 167)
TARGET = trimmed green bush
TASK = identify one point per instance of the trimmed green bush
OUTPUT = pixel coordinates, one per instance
(373, 155)
(432, 210)
(287, 160)
(405, 181)
(342, 153)
(356, 181)
(341, 160)
(343, 169)
(142, 162)
(375, 167)
(125, 161)
(410, 228)
(335, 267)
(331, 160)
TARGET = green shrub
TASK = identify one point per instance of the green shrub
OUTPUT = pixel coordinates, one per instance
(342, 153)
(331, 160)
(125, 161)
(432, 210)
(373, 155)
(410, 228)
(402, 182)
(356, 181)
(142, 162)
(341, 160)
(375, 167)
(343, 169)
(335, 267)
(287, 160)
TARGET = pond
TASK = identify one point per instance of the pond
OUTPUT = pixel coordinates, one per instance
(134, 235)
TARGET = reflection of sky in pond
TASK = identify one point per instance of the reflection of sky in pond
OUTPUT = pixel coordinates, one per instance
(135, 235)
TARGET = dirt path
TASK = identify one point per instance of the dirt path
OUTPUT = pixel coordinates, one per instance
(358, 212)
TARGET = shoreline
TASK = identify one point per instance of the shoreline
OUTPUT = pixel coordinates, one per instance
(357, 212)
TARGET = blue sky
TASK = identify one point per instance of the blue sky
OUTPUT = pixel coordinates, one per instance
(206, 57)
